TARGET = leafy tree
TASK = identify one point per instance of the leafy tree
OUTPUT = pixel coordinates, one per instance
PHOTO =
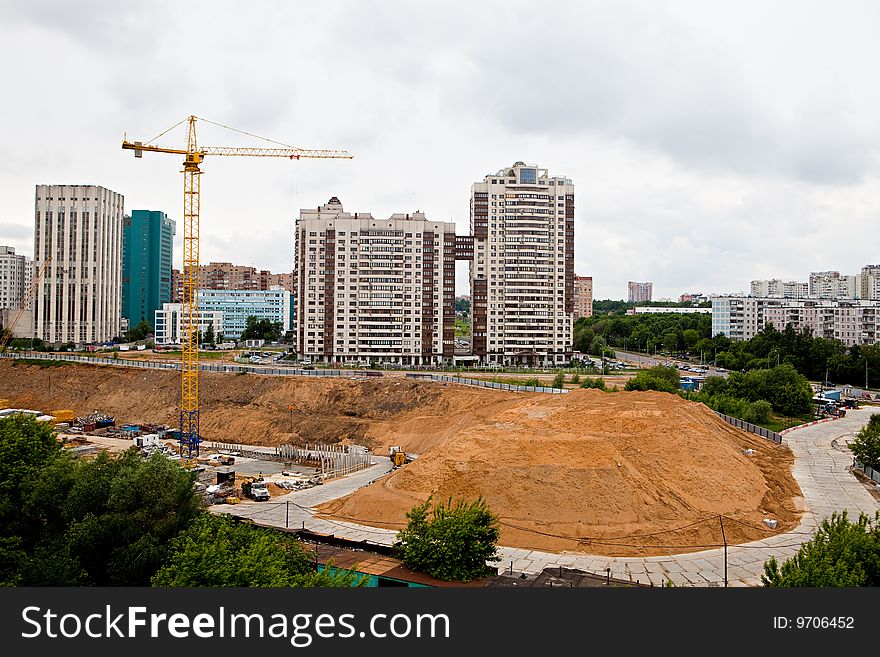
(593, 382)
(209, 335)
(261, 329)
(218, 551)
(25, 447)
(842, 553)
(139, 332)
(104, 522)
(450, 541)
(659, 377)
(866, 445)
(559, 381)
(758, 412)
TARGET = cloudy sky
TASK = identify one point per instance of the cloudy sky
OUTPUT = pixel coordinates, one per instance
(710, 143)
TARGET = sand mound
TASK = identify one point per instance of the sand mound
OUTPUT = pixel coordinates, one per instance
(617, 474)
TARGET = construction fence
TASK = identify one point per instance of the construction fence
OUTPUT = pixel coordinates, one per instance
(486, 384)
(870, 473)
(331, 460)
(751, 428)
(159, 365)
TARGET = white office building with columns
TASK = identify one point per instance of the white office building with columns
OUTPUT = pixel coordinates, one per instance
(79, 297)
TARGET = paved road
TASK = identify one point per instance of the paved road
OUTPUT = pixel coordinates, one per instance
(820, 469)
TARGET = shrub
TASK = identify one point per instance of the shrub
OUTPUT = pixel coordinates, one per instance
(593, 382)
(452, 542)
(559, 381)
(576, 378)
(866, 446)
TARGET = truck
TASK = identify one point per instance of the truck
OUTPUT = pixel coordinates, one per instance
(256, 489)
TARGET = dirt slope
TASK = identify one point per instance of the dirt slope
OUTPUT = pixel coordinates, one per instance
(617, 474)
(247, 408)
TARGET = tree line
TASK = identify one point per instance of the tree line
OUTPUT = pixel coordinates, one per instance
(814, 357)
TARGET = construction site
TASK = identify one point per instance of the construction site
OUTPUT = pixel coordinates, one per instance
(608, 473)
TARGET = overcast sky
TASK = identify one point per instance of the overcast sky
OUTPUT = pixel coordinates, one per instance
(710, 143)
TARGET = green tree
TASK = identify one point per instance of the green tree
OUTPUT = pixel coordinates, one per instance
(450, 541)
(842, 553)
(576, 378)
(593, 382)
(866, 445)
(559, 381)
(218, 551)
(209, 335)
(139, 332)
(105, 521)
(261, 329)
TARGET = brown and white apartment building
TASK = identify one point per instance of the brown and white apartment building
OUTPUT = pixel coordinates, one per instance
(374, 290)
(522, 274)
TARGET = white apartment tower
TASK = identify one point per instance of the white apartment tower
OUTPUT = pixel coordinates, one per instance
(14, 277)
(368, 289)
(522, 272)
(79, 298)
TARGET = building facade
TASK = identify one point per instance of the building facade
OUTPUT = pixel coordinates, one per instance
(168, 320)
(852, 321)
(640, 291)
(869, 282)
(14, 277)
(79, 298)
(236, 306)
(374, 290)
(147, 252)
(227, 276)
(522, 271)
(583, 296)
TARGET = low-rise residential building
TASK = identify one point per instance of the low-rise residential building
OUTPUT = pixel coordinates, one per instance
(852, 321)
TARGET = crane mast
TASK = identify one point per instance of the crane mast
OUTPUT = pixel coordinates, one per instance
(190, 434)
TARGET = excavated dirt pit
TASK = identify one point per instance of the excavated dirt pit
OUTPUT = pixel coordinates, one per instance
(605, 473)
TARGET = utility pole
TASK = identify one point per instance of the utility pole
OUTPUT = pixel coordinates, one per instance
(724, 538)
(866, 373)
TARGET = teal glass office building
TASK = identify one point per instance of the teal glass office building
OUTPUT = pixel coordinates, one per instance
(147, 251)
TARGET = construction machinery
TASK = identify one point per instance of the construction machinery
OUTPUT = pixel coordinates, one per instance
(256, 489)
(25, 302)
(397, 455)
(194, 155)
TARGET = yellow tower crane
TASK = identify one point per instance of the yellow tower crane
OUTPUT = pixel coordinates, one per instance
(25, 301)
(193, 157)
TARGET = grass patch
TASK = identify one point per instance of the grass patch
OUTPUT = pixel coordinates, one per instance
(43, 363)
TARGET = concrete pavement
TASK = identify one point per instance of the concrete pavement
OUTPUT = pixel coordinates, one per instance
(820, 469)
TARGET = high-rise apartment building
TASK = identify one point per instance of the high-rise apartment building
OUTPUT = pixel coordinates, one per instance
(79, 298)
(227, 276)
(522, 272)
(583, 296)
(640, 291)
(148, 246)
(831, 285)
(14, 278)
(869, 282)
(371, 289)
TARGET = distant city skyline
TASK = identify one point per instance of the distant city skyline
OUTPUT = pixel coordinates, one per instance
(713, 144)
